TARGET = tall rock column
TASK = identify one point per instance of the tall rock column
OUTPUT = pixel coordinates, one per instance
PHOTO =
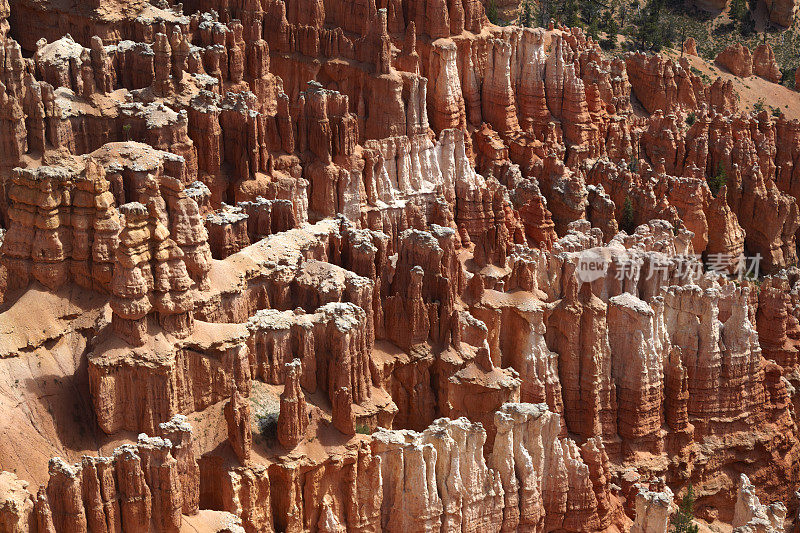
(44, 515)
(160, 470)
(162, 65)
(134, 495)
(172, 297)
(444, 91)
(652, 510)
(179, 433)
(18, 240)
(106, 226)
(13, 135)
(584, 362)
(554, 76)
(342, 411)
(726, 241)
(100, 494)
(293, 418)
(237, 416)
(65, 496)
(638, 369)
(751, 515)
(530, 91)
(772, 319)
(546, 483)
(133, 277)
(189, 233)
(497, 93)
(719, 348)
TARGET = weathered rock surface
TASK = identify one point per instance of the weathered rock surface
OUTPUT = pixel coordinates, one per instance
(367, 266)
(750, 513)
(238, 418)
(293, 418)
(653, 509)
(737, 59)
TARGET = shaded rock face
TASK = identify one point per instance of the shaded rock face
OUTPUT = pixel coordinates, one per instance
(363, 266)
(335, 346)
(783, 13)
(191, 376)
(179, 432)
(237, 417)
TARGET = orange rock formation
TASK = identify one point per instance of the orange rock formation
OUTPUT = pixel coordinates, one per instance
(358, 266)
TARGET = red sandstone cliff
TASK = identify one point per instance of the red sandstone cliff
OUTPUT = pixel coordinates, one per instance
(333, 256)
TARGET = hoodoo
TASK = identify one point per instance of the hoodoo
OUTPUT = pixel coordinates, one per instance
(395, 266)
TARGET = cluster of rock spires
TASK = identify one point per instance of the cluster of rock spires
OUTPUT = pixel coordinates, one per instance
(372, 218)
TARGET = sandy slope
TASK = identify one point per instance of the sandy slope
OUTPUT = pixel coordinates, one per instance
(751, 89)
(44, 388)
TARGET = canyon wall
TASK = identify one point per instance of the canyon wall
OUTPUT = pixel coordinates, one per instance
(388, 266)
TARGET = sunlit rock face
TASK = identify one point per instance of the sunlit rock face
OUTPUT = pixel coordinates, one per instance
(354, 266)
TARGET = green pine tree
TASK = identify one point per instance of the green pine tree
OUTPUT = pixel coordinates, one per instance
(652, 32)
(738, 8)
(526, 16)
(572, 13)
(594, 30)
(609, 23)
(589, 12)
(568, 13)
(740, 14)
(682, 520)
(718, 180)
(542, 14)
(491, 13)
(627, 222)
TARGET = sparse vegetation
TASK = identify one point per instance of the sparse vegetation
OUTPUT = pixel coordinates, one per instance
(649, 33)
(568, 13)
(611, 27)
(691, 118)
(718, 180)
(491, 13)
(608, 43)
(265, 410)
(787, 77)
(626, 222)
(126, 130)
(363, 429)
(268, 425)
(683, 519)
(740, 16)
(738, 9)
(657, 24)
(527, 17)
(703, 76)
